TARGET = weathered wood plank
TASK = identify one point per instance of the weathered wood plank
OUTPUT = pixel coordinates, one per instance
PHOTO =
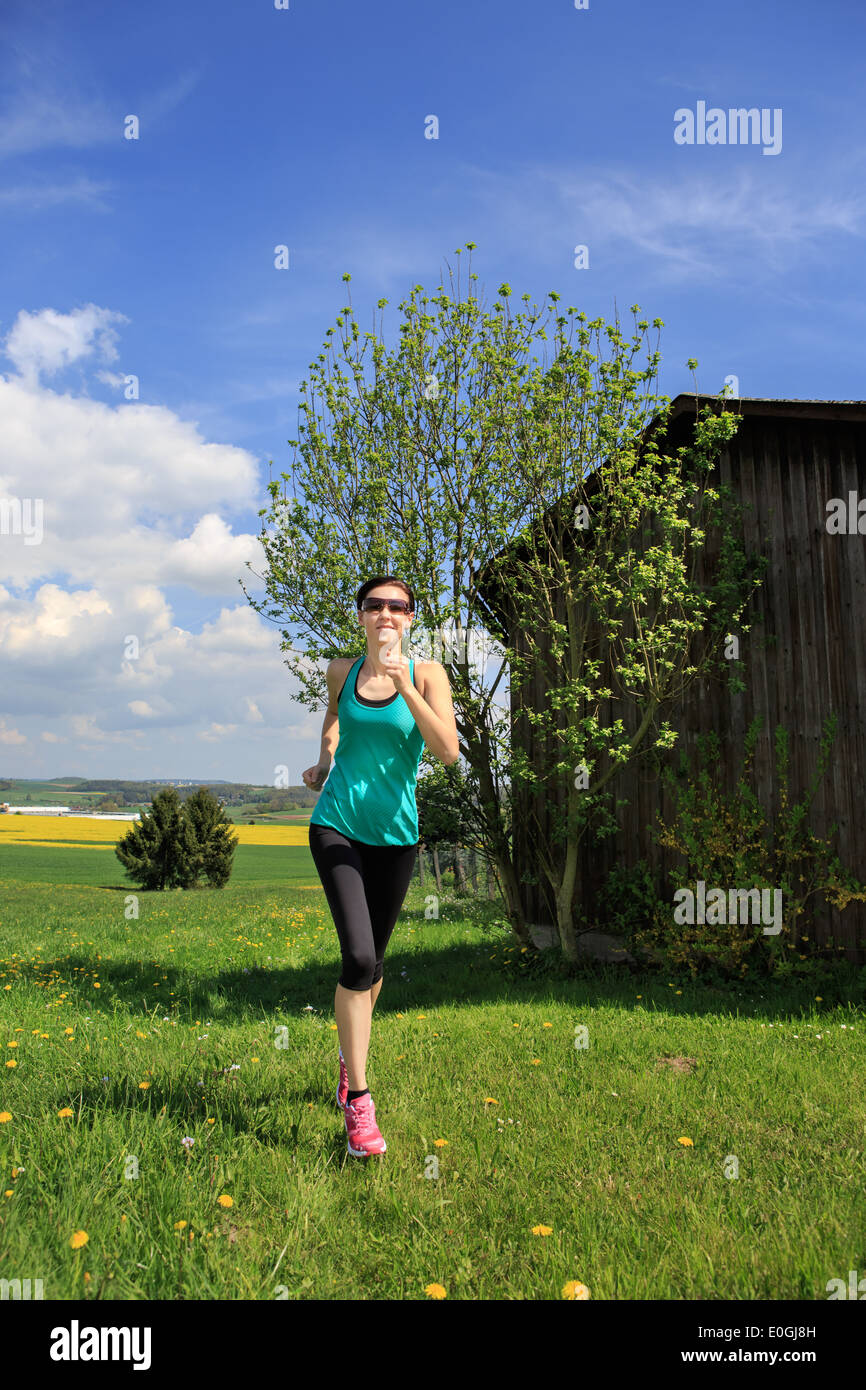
(804, 657)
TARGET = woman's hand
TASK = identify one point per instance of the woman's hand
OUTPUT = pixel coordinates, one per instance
(395, 664)
(314, 777)
(397, 667)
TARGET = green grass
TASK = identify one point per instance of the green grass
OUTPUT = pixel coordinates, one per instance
(52, 793)
(279, 866)
(584, 1141)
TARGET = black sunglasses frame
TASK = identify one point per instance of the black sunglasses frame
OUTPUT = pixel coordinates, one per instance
(375, 605)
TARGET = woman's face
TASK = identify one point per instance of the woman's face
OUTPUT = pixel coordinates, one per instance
(378, 627)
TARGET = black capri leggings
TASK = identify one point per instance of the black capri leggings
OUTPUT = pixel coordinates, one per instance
(365, 886)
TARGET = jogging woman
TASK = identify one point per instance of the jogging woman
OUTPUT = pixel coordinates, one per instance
(382, 710)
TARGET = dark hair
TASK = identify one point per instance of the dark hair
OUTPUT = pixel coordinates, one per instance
(385, 579)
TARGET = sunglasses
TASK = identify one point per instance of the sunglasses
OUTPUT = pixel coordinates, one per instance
(375, 605)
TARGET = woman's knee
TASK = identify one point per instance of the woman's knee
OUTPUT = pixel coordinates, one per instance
(358, 972)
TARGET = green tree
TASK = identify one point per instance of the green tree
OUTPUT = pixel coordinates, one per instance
(441, 797)
(161, 850)
(215, 845)
(610, 622)
(457, 445)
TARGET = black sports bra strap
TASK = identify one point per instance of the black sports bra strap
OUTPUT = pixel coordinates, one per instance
(368, 702)
(346, 677)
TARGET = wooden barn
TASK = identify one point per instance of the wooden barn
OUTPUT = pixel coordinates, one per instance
(804, 656)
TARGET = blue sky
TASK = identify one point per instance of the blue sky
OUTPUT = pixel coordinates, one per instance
(305, 127)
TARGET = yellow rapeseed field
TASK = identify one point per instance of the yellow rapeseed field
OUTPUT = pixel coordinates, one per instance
(104, 834)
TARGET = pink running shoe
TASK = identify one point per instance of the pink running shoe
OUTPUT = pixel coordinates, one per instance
(343, 1087)
(360, 1119)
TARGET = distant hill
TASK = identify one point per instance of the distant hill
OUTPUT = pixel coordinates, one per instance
(111, 793)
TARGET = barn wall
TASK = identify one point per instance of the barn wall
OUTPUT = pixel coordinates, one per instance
(803, 657)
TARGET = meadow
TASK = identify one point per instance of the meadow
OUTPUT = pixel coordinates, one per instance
(168, 1127)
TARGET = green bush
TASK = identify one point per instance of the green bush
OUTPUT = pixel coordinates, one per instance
(627, 900)
(727, 842)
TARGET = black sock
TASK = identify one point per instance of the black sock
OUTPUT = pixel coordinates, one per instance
(353, 1095)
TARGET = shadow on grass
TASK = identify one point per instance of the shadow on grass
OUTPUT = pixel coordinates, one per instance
(432, 973)
(276, 1122)
(422, 979)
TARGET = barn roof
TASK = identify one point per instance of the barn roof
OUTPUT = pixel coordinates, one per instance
(776, 405)
(792, 408)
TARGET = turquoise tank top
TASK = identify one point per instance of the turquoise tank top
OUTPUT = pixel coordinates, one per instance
(370, 791)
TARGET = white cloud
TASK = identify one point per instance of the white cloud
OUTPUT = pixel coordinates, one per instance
(690, 224)
(142, 709)
(217, 732)
(203, 558)
(134, 499)
(37, 196)
(90, 735)
(42, 116)
(10, 736)
(51, 102)
(36, 629)
(128, 487)
(45, 342)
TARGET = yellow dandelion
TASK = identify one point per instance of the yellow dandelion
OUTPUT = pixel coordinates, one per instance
(536, 1061)
(818, 997)
(78, 1239)
(5, 1117)
(574, 1289)
(435, 1291)
(12, 1044)
(12, 1062)
(439, 1143)
(210, 1121)
(143, 1085)
(687, 1143)
(225, 1200)
(43, 1035)
(69, 1030)
(8, 1192)
(677, 991)
(179, 1225)
(96, 985)
(139, 1034)
(542, 1230)
(333, 1027)
(547, 1025)
(64, 1113)
(488, 1100)
(123, 1218)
